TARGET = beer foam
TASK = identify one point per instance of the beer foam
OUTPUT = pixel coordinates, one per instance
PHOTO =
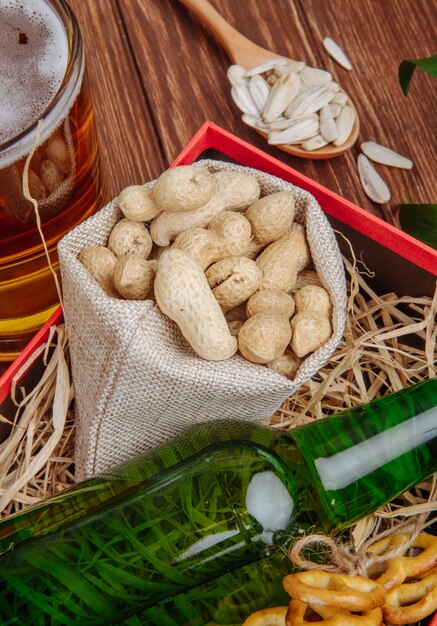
(33, 60)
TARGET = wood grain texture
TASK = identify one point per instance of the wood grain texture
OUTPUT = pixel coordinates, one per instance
(377, 36)
(183, 71)
(130, 148)
(157, 75)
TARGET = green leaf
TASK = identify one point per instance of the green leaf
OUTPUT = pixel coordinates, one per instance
(420, 221)
(407, 67)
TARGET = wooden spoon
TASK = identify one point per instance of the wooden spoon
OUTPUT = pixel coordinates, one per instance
(248, 54)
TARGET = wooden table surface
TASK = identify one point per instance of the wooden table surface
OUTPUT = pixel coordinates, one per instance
(157, 75)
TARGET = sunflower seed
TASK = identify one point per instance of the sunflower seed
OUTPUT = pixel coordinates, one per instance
(281, 95)
(340, 98)
(309, 101)
(259, 90)
(254, 122)
(302, 129)
(291, 66)
(328, 127)
(265, 67)
(281, 123)
(304, 84)
(236, 75)
(381, 154)
(242, 98)
(373, 185)
(335, 109)
(337, 53)
(315, 76)
(314, 143)
(333, 86)
(345, 123)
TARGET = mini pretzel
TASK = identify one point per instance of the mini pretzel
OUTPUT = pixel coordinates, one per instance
(267, 617)
(419, 598)
(317, 587)
(401, 567)
(330, 615)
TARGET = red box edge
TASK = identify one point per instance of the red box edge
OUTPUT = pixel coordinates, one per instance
(212, 136)
(40, 338)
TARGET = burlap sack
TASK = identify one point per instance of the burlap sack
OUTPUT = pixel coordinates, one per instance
(137, 380)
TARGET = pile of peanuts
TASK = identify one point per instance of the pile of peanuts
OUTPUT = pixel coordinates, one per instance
(405, 593)
(231, 268)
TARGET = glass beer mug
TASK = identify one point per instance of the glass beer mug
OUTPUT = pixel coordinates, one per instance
(42, 76)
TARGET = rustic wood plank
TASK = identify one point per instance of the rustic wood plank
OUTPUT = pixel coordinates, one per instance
(184, 70)
(376, 36)
(157, 75)
(184, 74)
(129, 146)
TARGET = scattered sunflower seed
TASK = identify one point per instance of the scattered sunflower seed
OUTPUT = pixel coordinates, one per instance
(333, 49)
(384, 155)
(374, 186)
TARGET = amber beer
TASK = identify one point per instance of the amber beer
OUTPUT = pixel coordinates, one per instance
(42, 77)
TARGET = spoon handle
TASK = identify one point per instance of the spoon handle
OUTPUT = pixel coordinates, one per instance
(248, 54)
(239, 49)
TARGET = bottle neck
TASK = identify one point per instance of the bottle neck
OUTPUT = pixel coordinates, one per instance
(364, 457)
(344, 466)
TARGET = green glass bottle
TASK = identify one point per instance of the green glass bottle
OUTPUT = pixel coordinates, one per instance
(170, 535)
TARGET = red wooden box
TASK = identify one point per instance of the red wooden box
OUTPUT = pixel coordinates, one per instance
(400, 263)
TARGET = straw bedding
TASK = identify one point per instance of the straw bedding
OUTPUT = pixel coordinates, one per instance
(375, 356)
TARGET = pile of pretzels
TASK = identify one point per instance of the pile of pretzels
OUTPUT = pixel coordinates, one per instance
(404, 593)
